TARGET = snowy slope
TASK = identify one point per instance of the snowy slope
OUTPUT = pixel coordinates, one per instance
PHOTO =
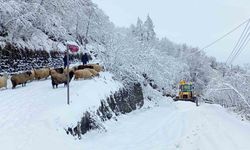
(34, 117)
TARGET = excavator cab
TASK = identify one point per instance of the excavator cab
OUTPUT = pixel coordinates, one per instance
(186, 92)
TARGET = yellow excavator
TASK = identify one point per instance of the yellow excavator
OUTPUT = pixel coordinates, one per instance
(186, 92)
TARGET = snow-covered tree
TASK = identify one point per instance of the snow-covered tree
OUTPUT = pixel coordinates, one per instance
(138, 31)
(39, 23)
(149, 33)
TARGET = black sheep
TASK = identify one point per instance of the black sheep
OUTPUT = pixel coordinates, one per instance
(57, 78)
(84, 67)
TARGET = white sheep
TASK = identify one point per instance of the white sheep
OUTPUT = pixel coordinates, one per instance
(42, 73)
(97, 67)
(84, 73)
(93, 71)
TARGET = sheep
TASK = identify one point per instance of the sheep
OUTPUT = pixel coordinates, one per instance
(94, 72)
(70, 69)
(85, 73)
(3, 80)
(56, 70)
(97, 67)
(52, 72)
(21, 78)
(57, 78)
(83, 67)
(32, 76)
(59, 70)
(42, 73)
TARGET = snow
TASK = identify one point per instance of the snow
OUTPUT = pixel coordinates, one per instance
(181, 125)
(34, 117)
(71, 43)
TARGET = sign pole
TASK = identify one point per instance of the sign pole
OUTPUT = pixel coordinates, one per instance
(68, 75)
(73, 49)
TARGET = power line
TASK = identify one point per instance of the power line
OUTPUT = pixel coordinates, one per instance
(239, 42)
(219, 39)
(242, 47)
(212, 43)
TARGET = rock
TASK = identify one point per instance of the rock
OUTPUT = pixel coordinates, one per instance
(121, 102)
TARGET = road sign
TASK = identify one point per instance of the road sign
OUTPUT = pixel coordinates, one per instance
(73, 48)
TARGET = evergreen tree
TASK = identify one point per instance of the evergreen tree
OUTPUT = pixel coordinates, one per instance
(139, 29)
(149, 32)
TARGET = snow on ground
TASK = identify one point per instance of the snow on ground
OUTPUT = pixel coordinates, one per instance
(34, 117)
(169, 127)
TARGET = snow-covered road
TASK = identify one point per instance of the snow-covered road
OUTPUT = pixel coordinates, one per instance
(179, 126)
(33, 117)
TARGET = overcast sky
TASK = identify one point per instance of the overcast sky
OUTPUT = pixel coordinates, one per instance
(194, 22)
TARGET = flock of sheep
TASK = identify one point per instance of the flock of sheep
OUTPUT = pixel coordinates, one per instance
(58, 75)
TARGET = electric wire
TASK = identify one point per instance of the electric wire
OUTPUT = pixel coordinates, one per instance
(222, 37)
(246, 29)
(241, 48)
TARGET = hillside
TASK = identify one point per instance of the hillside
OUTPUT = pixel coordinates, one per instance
(46, 24)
